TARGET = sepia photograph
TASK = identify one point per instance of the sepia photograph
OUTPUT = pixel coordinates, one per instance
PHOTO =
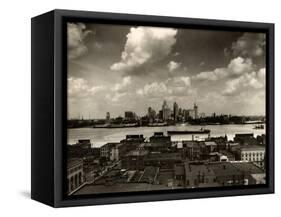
(161, 108)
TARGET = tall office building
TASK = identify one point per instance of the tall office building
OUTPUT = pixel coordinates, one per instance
(176, 111)
(195, 108)
(151, 115)
(166, 111)
(107, 117)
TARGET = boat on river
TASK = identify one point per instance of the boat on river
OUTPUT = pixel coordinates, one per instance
(201, 131)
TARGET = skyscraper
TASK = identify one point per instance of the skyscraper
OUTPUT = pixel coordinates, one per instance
(195, 107)
(151, 115)
(166, 111)
(107, 117)
(176, 111)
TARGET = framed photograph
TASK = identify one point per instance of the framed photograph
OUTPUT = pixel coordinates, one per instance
(133, 108)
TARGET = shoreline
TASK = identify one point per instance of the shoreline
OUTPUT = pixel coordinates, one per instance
(200, 125)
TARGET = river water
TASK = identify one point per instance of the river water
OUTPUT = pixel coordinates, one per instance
(101, 136)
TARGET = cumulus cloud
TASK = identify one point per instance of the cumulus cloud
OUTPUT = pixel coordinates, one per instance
(76, 36)
(79, 87)
(248, 81)
(115, 97)
(122, 87)
(214, 75)
(236, 67)
(249, 45)
(172, 66)
(178, 86)
(145, 46)
(239, 65)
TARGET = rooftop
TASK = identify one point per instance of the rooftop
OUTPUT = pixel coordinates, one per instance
(210, 143)
(248, 167)
(195, 169)
(252, 148)
(73, 162)
(139, 152)
(224, 169)
(164, 156)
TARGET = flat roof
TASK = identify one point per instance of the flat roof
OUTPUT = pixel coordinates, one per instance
(210, 143)
(137, 153)
(224, 168)
(248, 167)
(73, 162)
(168, 156)
(251, 148)
(195, 169)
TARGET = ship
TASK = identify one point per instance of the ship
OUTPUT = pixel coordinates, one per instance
(201, 131)
(261, 126)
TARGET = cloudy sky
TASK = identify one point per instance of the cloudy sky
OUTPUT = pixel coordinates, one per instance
(119, 68)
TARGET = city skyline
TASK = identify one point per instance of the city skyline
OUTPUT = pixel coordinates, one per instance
(123, 68)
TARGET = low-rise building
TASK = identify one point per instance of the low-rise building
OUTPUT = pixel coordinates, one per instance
(245, 139)
(75, 175)
(194, 150)
(254, 154)
(118, 151)
(253, 174)
(105, 150)
(222, 156)
(134, 160)
(211, 146)
(159, 142)
(163, 160)
(226, 174)
(199, 175)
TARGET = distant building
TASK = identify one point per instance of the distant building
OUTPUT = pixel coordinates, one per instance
(159, 142)
(75, 175)
(118, 151)
(129, 115)
(82, 148)
(134, 138)
(159, 137)
(191, 114)
(195, 108)
(195, 174)
(175, 111)
(105, 150)
(227, 174)
(253, 175)
(222, 156)
(245, 139)
(211, 146)
(191, 150)
(199, 175)
(151, 114)
(160, 114)
(254, 154)
(227, 156)
(162, 160)
(202, 115)
(166, 111)
(84, 142)
(134, 160)
(107, 117)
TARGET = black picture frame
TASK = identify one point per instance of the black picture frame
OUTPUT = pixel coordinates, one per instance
(49, 107)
